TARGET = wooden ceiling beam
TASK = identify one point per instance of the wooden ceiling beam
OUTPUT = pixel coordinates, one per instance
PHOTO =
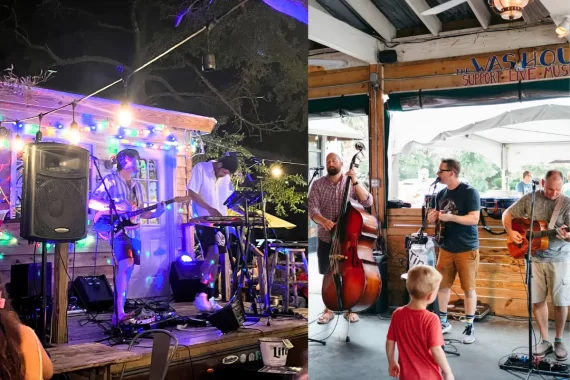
(481, 12)
(368, 11)
(432, 22)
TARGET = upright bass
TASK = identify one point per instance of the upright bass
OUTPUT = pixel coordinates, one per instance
(353, 281)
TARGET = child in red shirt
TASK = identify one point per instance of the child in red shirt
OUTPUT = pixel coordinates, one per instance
(417, 332)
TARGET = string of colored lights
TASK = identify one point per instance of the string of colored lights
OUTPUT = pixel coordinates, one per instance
(208, 26)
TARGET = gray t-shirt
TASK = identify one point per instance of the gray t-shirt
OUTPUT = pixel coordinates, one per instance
(559, 250)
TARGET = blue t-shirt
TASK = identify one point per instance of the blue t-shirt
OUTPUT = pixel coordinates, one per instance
(459, 201)
(525, 188)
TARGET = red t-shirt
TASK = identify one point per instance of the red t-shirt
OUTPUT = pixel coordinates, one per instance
(415, 332)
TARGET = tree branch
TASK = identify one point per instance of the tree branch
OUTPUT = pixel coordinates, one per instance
(94, 19)
(276, 126)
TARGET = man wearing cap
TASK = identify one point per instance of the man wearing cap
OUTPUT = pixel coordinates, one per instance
(126, 192)
(209, 187)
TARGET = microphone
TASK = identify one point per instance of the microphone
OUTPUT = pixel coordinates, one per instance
(359, 146)
(536, 181)
(435, 182)
(317, 168)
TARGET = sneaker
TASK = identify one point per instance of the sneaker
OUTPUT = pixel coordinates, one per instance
(445, 327)
(203, 304)
(215, 306)
(543, 348)
(469, 334)
(560, 351)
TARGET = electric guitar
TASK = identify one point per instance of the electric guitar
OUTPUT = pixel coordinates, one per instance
(104, 223)
(538, 239)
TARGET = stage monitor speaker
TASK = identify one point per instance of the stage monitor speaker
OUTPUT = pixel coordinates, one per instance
(93, 293)
(387, 56)
(26, 280)
(185, 280)
(230, 318)
(54, 193)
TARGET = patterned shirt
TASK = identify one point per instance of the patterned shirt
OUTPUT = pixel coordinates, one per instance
(325, 199)
(120, 191)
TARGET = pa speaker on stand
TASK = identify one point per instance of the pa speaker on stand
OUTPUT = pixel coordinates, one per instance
(54, 201)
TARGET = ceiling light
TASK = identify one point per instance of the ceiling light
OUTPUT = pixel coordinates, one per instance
(564, 28)
(509, 9)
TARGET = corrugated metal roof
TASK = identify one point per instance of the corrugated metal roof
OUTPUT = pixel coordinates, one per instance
(460, 12)
(338, 9)
(399, 13)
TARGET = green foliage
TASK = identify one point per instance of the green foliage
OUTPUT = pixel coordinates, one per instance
(480, 172)
(287, 193)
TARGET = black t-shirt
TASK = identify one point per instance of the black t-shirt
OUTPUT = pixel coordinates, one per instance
(459, 201)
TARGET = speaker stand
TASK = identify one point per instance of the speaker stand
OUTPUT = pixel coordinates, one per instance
(43, 308)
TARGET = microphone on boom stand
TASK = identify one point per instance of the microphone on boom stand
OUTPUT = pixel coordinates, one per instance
(317, 170)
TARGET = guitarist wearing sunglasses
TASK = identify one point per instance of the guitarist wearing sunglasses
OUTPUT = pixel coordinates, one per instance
(550, 267)
(457, 206)
(126, 191)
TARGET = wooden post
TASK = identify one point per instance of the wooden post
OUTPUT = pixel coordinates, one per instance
(377, 145)
(60, 280)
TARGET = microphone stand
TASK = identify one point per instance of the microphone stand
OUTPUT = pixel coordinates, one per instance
(531, 370)
(315, 173)
(115, 330)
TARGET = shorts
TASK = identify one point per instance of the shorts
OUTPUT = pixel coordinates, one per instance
(209, 236)
(323, 250)
(127, 248)
(465, 264)
(553, 276)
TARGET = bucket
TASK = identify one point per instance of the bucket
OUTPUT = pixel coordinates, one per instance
(273, 351)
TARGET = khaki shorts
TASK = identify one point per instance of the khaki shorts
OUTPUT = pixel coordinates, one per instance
(465, 263)
(554, 277)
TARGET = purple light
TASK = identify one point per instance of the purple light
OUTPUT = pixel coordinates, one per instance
(185, 258)
(292, 8)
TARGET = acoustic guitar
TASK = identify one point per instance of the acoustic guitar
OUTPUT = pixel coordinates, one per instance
(104, 223)
(538, 238)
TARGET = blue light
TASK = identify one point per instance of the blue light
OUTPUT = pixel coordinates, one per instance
(185, 258)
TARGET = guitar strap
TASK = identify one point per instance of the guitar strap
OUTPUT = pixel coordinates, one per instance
(556, 211)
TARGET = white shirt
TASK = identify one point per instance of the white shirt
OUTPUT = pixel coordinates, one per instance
(213, 190)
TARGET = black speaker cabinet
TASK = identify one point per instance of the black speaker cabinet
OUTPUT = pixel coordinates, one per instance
(230, 317)
(93, 293)
(54, 193)
(26, 280)
(185, 280)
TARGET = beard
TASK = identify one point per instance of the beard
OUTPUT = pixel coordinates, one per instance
(333, 171)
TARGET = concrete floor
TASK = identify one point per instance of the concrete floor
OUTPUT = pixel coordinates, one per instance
(364, 357)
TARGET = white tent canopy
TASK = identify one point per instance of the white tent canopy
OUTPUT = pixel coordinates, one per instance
(512, 136)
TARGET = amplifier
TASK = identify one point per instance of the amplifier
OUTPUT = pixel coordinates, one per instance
(94, 293)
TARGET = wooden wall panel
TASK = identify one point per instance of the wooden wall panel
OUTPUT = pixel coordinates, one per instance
(500, 280)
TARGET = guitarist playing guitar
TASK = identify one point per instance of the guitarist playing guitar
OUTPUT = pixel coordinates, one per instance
(458, 207)
(125, 191)
(550, 263)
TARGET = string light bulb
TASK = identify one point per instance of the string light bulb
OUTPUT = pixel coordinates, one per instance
(74, 135)
(276, 171)
(18, 143)
(125, 114)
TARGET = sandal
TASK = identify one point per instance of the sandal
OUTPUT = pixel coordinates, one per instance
(325, 317)
(353, 318)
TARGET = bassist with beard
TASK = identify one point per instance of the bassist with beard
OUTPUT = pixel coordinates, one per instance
(325, 201)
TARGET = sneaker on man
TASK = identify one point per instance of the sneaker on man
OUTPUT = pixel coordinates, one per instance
(214, 304)
(543, 348)
(445, 327)
(560, 351)
(203, 304)
(469, 333)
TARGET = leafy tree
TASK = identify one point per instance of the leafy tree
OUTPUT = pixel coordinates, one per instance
(260, 55)
(286, 193)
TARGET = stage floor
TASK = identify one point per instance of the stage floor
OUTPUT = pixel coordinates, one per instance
(199, 348)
